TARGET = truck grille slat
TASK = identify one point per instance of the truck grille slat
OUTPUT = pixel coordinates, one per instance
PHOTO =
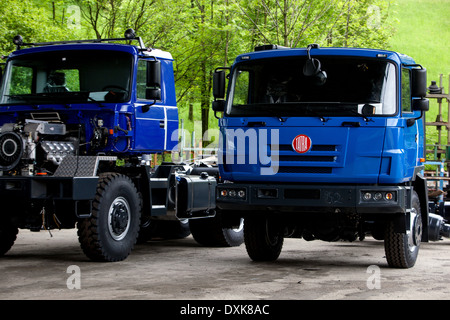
(311, 162)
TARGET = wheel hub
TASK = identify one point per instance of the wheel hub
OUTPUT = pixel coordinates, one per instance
(119, 218)
(415, 234)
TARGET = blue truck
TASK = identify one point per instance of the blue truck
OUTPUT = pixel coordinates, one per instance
(324, 143)
(80, 122)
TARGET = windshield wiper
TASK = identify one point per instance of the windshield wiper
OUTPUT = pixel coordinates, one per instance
(364, 116)
(347, 107)
(23, 98)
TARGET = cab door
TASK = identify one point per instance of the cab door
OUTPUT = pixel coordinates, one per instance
(150, 115)
(411, 127)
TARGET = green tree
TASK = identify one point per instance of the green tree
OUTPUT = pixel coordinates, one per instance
(33, 22)
(201, 34)
(362, 23)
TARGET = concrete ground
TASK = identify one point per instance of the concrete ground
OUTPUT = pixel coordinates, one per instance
(42, 267)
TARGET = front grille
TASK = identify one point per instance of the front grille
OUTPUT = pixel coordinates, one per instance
(315, 161)
(315, 170)
(316, 147)
(307, 158)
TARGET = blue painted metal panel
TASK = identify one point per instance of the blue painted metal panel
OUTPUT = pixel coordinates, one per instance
(337, 153)
(383, 150)
(154, 128)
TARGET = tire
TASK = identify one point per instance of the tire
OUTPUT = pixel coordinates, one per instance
(402, 249)
(264, 238)
(8, 235)
(209, 232)
(111, 232)
(147, 230)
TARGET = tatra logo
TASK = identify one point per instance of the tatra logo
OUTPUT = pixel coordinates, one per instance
(301, 143)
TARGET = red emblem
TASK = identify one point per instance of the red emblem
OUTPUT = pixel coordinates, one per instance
(301, 143)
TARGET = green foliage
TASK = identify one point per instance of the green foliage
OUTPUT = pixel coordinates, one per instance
(30, 19)
(201, 34)
(423, 32)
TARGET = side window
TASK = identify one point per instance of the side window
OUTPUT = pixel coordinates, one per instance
(141, 80)
(406, 90)
(21, 80)
(241, 88)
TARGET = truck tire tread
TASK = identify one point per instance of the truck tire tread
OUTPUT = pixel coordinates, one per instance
(8, 235)
(93, 238)
(261, 244)
(210, 233)
(398, 253)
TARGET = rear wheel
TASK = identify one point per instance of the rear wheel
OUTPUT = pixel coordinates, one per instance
(264, 238)
(111, 232)
(165, 229)
(210, 232)
(402, 249)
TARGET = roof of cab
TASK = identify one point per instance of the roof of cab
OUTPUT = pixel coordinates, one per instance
(273, 51)
(94, 46)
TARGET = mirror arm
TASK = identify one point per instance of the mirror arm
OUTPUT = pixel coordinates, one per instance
(410, 122)
(146, 107)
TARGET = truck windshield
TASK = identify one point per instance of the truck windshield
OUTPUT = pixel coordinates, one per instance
(67, 77)
(269, 87)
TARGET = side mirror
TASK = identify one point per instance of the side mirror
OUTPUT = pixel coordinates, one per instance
(419, 82)
(420, 104)
(313, 68)
(153, 82)
(153, 94)
(218, 106)
(219, 90)
(154, 74)
(219, 84)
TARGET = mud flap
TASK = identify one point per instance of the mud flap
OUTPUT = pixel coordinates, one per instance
(420, 186)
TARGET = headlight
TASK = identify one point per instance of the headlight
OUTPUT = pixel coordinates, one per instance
(376, 196)
(233, 193)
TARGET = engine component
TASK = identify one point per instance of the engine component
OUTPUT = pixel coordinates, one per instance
(11, 150)
(19, 143)
(57, 150)
(43, 127)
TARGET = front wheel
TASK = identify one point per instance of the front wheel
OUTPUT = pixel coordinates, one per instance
(264, 238)
(111, 232)
(8, 234)
(402, 249)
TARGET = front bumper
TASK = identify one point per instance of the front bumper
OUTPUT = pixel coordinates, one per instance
(41, 188)
(313, 198)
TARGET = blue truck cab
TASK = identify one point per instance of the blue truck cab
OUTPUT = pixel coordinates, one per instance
(80, 123)
(324, 143)
(92, 85)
